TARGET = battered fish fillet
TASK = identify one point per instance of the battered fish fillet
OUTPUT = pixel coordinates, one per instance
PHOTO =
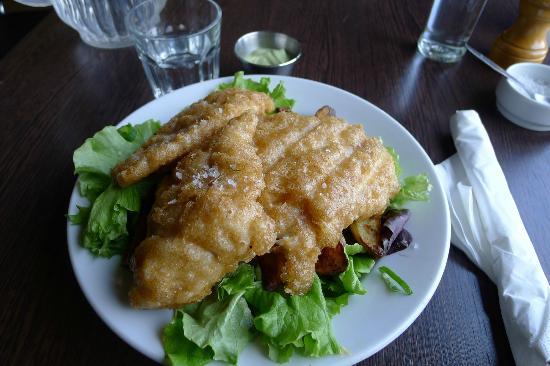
(321, 174)
(188, 130)
(284, 180)
(205, 221)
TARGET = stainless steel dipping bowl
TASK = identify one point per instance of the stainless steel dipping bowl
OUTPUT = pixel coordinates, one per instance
(251, 41)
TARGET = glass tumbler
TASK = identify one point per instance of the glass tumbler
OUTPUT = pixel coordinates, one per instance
(177, 41)
(449, 28)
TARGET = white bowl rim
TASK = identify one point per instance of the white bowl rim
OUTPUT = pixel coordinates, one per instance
(523, 65)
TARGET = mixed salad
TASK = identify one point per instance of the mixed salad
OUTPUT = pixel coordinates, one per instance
(239, 309)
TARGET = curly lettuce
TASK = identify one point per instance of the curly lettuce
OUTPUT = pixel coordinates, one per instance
(240, 309)
(413, 187)
(106, 222)
(277, 94)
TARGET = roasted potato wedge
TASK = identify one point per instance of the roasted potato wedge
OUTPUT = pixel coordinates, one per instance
(367, 232)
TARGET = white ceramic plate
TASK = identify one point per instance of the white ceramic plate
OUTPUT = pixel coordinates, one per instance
(369, 322)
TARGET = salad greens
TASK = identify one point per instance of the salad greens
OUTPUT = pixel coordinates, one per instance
(112, 209)
(395, 157)
(218, 327)
(277, 94)
(393, 281)
(413, 187)
(239, 309)
(180, 350)
(349, 281)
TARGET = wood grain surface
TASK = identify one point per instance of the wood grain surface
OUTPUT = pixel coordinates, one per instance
(55, 91)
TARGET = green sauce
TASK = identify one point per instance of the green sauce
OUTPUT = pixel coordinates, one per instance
(267, 56)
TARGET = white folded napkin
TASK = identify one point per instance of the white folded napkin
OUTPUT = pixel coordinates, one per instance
(487, 227)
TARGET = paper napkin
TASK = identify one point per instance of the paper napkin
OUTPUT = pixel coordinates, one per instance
(486, 225)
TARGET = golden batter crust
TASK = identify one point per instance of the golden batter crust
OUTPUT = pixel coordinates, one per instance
(205, 221)
(321, 174)
(188, 130)
(282, 181)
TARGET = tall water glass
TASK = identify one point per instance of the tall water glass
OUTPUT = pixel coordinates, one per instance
(449, 28)
(178, 42)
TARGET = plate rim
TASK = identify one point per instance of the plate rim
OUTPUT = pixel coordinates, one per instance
(352, 358)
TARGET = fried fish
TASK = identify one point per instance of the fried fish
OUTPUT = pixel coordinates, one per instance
(204, 222)
(321, 174)
(188, 130)
(282, 183)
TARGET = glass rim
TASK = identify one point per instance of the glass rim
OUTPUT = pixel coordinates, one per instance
(136, 33)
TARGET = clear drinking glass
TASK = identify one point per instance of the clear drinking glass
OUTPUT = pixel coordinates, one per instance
(178, 42)
(449, 28)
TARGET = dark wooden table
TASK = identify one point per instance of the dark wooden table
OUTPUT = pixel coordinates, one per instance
(55, 91)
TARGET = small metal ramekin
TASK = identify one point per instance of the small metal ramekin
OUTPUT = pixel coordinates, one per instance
(251, 41)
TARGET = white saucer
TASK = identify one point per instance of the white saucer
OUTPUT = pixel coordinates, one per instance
(519, 121)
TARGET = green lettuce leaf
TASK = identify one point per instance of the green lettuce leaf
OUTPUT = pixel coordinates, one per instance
(291, 323)
(106, 233)
(349, 281)
(395, 157)
(240, 82)
(394, 282)
(179, 350)
(335, 304)
(353, 249)
(362, 264)
(113, 209)
(224, 326)
(217, 328)
(278, 93)
(91, 185)
(240, 307)
(275, 352)
(413, 188)
(239, 281)
(81, 217)
(100, 153)
(278, 96)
